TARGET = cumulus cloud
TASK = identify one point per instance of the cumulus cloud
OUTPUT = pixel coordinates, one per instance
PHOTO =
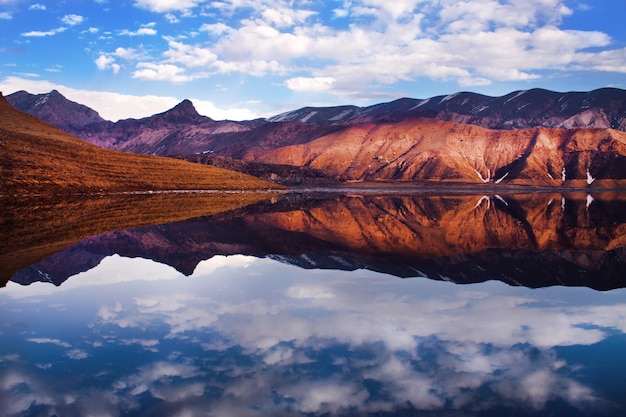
(72, 19)
(188, 55)
(161, 72)
(145, 30)
(310, 84)
(56, 342)
(40, 34)
(161, 6)
(77, 354)
(104, 62)
(130, 54)
(474, 42)
(37, 6)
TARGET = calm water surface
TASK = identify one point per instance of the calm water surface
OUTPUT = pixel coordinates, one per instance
(297, 307)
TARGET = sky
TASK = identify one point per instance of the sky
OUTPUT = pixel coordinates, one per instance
(243, 59)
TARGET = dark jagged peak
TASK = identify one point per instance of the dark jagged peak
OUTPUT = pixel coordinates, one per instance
(56, 109)
(183, 112)
(186, 106)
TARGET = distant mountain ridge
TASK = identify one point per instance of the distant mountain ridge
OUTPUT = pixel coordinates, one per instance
(55, 109)
(532, 137)
(602, 108)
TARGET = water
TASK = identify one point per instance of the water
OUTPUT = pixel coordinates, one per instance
(510, 305)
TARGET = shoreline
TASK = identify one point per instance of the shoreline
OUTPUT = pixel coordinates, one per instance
(348, 187)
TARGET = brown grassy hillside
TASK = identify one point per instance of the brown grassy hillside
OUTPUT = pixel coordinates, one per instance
(426, 149)
(38, 158)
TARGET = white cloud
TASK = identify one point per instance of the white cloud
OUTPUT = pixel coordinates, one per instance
(39, 34)
(5, 16)
(327, 397)
(130, 54)
(42, 340)
(472, 42)
(147, 344)
(108, 313)
(315, 84)
(473, 81)
(172, 18)
(9, 358)
(255, 68)
(77, 354)
(37, 6)
(475, 42)
(285, 17)
(144, 30)
(72, 19)
(104, 62)
(161, 72)
(147, 375)
(188, 55)
(161, 6)
(394, 9)
(216, 29)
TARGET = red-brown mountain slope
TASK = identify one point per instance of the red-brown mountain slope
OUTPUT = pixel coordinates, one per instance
(427, 149)
(36, 157)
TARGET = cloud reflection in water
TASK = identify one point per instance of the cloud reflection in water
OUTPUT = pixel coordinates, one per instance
(247, 336)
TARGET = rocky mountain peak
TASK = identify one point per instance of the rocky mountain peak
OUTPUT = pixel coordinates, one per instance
(183, 112)
(56, 109)
(186, 106)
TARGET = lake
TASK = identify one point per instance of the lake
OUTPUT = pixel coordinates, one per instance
(352, 302)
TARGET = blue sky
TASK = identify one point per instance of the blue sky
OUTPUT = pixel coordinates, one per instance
(241, 59)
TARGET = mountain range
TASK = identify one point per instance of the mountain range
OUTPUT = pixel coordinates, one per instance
(535, 137)
(38, 158)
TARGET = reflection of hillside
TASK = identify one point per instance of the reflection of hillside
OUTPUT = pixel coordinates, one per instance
(423, 227)
(532, 239)
(34, 228)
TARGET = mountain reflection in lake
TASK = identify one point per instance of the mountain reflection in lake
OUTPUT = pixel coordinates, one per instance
(250, 332)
